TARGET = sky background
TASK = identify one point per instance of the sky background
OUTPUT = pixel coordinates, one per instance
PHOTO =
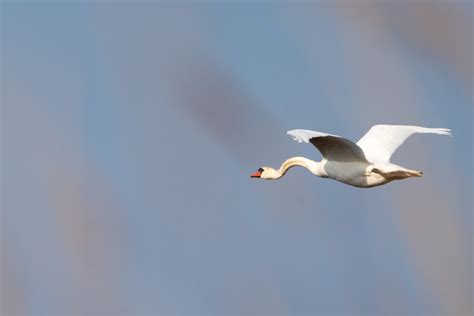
(129, 131)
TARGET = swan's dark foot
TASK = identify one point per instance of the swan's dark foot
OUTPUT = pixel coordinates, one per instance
(418, 174)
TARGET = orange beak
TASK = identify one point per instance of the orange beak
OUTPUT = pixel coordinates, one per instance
(256, 174)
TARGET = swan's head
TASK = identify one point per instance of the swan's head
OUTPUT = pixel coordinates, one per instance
(266, 173)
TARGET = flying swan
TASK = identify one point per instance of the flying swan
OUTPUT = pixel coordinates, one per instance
(364, 164)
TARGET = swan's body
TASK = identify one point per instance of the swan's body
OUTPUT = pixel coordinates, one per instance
(363, 164)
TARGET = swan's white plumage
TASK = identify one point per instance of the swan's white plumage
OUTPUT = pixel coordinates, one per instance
(381, 141)
(365, 164)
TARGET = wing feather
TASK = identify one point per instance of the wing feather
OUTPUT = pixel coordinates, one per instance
(332, 147)
(381, 141)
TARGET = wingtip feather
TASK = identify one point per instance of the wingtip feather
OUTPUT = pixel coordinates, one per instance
(444, 131)
(298, 135)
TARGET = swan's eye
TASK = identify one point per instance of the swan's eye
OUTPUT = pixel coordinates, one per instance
(261, 170)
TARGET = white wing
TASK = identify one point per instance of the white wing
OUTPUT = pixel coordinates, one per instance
(332, 147)
(381, 141)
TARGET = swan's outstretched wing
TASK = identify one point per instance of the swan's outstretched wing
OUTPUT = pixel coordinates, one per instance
(332, 147)
(381, 141)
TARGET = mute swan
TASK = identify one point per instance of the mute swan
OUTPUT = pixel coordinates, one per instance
(365, 164)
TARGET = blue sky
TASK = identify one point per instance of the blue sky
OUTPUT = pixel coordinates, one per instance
(129, 132)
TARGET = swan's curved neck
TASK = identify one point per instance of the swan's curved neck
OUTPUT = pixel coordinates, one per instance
(313, 166)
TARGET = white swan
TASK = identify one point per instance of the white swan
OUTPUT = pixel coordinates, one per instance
(365, 164)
